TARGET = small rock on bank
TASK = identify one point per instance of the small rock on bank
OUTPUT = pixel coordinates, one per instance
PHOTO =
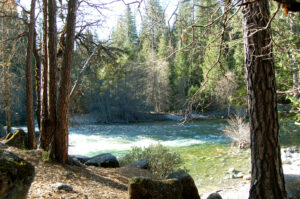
(64, 187)
(106, 160)
(214, 196)
(140, 164)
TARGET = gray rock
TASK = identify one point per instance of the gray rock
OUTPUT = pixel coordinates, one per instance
(106, 160)
(239, 175)
(141, 164)
(247, 177)
(64, 187)
(292, 184)
(2, 131)
(18, 139)
(75, 161)
(286, 162)
(16, 176)
(214, 196)
(81, 158)
(145, 188)
(190, 190)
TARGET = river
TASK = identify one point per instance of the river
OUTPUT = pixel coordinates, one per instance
(208, 155)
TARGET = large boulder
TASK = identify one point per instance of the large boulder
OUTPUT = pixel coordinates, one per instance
(140, 164)
(16, 176)
(106, 160)
(146, 188)
(2, 131)
(292, 184)
(18, 139)
(190, 190)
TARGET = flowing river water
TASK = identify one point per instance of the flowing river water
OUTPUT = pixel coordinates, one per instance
(207, 153)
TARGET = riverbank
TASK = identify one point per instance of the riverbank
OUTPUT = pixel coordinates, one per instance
(291, 168)
(94, 118)
(105, 183)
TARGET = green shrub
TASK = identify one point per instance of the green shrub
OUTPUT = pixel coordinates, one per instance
(162, 161)
(46, 156)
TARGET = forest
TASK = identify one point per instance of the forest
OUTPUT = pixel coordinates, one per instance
(213, 58)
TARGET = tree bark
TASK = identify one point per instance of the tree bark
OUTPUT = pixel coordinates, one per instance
(29, 88)
(45, 138)
(5, 80)
(62, 127)
(37, 80)
(267, 175)
(52, 50)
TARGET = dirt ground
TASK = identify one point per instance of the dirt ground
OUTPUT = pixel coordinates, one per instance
(90, 182)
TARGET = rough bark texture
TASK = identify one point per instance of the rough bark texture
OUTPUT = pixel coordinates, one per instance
(29, 87)
(267, 176)
(62, 127)
(37, 80)
(45, 138)
(52, 47)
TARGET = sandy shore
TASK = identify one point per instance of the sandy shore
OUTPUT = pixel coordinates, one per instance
(291, 165)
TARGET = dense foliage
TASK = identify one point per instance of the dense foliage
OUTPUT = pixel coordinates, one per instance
(195, 61)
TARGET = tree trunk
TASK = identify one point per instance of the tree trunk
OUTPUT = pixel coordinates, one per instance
(5, 80)
(52, 49)
(45, 138)
(62, 131)
(267, 175)
(37, 80)
(29, 89)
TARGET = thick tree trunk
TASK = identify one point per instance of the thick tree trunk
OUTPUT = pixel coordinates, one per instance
(29, 89)
(62, 127)
(52, 49)
(267, 175)
(37, 80)
(45, 138)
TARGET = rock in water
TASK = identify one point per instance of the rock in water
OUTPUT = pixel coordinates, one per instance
(140, 164)
(214, 196)
(16, 176)
(190, 190)
(106, 160)
(145, 188)
(18, 139)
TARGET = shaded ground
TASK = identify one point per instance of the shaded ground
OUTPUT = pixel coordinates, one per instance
(90, 182)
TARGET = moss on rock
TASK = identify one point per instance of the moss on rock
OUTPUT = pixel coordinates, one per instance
(16, 176)
(17, 139)
(145, 188)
